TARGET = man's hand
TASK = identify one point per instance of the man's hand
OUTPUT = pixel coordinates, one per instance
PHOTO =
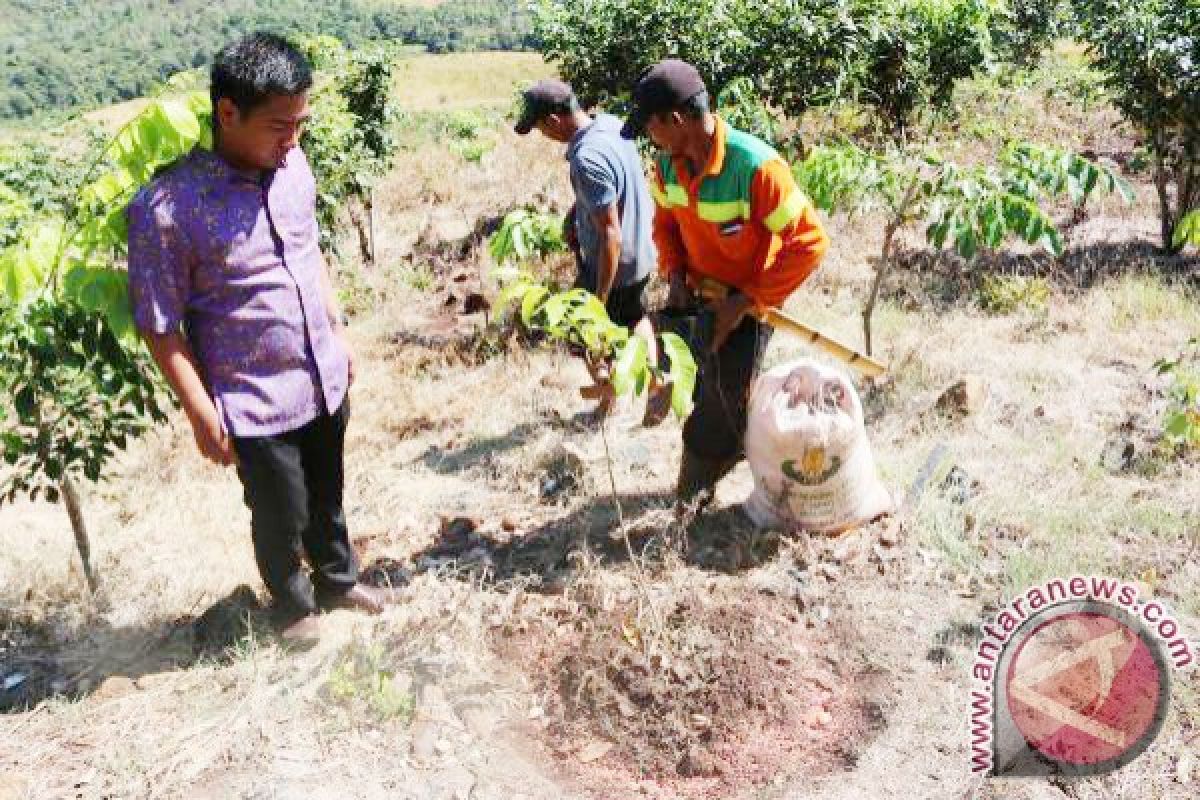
(174, 357)
(730, 313)
(211, 438)
(679, 296)
(345, 342)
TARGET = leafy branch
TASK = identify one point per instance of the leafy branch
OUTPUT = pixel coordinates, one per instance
(968, 209)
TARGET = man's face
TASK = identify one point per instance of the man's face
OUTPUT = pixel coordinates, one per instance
(262, 137)
(666, 131)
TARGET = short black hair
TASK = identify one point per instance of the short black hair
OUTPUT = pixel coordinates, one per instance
(256, 68)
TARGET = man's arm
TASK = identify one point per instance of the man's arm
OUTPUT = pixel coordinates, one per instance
(334, 310)
(608, 228)
(800, 241)
(160, 267)
(178, 365)
(798, 244)
(672, 256)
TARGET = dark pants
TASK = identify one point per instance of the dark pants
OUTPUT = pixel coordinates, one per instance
(293, 486)
(717, 426)
(626, 305)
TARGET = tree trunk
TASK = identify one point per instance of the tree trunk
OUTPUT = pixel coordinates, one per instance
(1162, 180)
(885, 257)
(360, 227)
(75, 512)
(371, 221)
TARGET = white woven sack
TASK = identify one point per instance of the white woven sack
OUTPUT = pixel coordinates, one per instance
(808, 450)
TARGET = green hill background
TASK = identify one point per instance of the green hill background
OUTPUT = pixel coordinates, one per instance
(65, 54)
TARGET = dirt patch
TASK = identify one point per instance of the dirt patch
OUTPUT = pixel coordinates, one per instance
(721, 689)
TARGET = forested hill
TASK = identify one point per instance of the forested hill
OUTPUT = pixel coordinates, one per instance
(61, 54)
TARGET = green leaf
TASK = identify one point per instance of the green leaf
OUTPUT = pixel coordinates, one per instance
(1188, 230)
(630, 366)
(966, 242)
(24, 403)
(25, 266)
(1125, 189)
(681, 373)
(519, 247)
(1051, 239)
(1178, 424)
(531, 303)
(181, 119)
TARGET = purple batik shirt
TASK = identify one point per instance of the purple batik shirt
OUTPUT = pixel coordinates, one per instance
(234, 259)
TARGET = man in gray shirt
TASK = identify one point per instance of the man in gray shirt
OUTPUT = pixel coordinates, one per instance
(610, 224)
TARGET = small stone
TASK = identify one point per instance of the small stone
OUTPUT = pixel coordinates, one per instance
(966, 396)
(454, 782)
(959, 486)
(846, 551)
(114, 687)
(479, 721)
(424, 739)
(699, 763)
(817, 717)
(1117, 455)
(1183, 769)
(13, 787)
(594, 751)
(508, 524)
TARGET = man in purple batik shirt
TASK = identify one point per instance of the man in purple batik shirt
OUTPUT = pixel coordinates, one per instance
(231, 293)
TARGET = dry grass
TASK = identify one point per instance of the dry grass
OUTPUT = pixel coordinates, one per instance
(426, 700)
(465, 80)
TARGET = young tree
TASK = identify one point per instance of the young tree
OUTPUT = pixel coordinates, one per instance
(967, 208)
(1149, 51)
(77, 382)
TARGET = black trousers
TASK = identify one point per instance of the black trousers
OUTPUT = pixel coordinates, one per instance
(626, 305)
(293, 486)
(716, 428)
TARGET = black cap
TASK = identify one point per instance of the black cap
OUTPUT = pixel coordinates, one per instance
(543, 98)
(665, 86)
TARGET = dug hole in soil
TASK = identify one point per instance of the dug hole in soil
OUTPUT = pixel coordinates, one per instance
(720, 689)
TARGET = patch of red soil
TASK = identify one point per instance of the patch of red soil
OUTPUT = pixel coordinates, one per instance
(727, 694)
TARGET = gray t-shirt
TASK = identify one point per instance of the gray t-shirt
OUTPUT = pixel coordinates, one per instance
(606, 169)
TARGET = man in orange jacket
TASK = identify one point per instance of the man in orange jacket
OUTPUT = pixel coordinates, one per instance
(727, 210)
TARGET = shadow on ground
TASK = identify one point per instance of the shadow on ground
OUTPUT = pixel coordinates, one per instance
(721, 540)
(941, 279)
(38, 663)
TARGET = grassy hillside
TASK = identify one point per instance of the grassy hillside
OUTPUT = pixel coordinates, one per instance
(60, 55)
(531, 658)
